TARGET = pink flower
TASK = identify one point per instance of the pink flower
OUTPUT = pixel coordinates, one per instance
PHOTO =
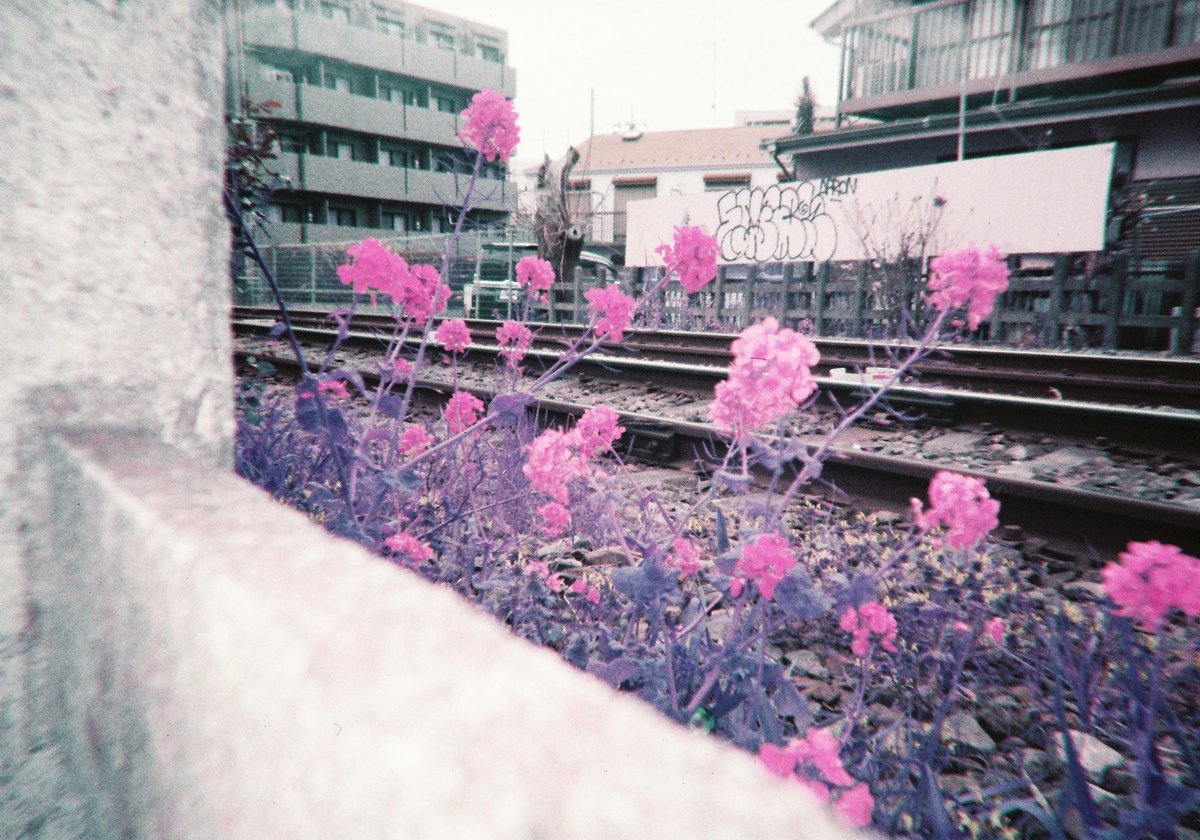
(333, 386)
(765, 561)
(535, 273)
(421, 293)
(597, 430)
(993, 628)
(855, 804)
(612, 310)
(553, 459)
(582, 587)
(372, 267)
(770, 375)
(414, 440)
(684, 556)
(490, 125)
(779, 760)
(462, 410)
(969, 277)
(408, 546)
(1150, 579)
(869, 619)
(553, 580)
(693, 257)
(961, 503)
(555, 519)
(514, 338)
(402, 366)
(821, 748)
(453, 335)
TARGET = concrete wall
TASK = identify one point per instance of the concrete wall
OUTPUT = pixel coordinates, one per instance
(179, 656)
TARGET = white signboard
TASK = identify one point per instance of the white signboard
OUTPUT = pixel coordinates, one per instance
(1030, 203)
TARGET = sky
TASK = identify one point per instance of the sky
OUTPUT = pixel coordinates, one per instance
(661, 64)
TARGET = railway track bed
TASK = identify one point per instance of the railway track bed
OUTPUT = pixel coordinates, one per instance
(1085, 486)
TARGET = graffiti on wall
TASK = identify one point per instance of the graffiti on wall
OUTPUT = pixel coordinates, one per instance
(780, 222)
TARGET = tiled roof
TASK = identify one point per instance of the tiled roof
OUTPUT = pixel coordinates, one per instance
(705, 148)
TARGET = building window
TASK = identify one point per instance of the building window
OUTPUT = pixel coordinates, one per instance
(442, 35)
(340, 149)
(336, 11)
(278, 74)
(292, 214)
(344, 216)
(447, 104)
(395, 221)
(398, 158)
(489, 48)
(341, 84)
(292, 145)
(390, 25)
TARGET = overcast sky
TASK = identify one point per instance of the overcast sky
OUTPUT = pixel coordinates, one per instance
(664, 64)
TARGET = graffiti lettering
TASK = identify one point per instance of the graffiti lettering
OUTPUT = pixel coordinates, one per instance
(775, 224)
(837, 186)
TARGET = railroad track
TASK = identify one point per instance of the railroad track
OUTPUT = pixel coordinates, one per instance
(1130, 380)
(1072, 521)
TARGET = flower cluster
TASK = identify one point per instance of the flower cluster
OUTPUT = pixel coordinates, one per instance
(770, 375)
(870, 618)
(684, 556)
(962, 504)
(514, 338)
(453, 335)
(971, 277)
(414, 440)
(612, 310)
(598, 430)
(1150, 579)
(408, 546)
(333, 386)
(817, 754)
(692, 257)
(555, 519)
(535, 273)
(373, 268)
(462, 409)
(582, 587)
(555, 457)
(765, 561)
(490, 125)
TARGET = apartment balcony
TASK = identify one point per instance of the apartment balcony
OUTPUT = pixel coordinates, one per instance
(332, 176)
(283, 29)
(919, 60)
(337, 109)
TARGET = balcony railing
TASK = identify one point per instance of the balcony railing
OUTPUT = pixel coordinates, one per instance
(923, 47)
(282, 29)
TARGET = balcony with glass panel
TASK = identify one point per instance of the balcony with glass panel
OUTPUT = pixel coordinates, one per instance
(923, 58)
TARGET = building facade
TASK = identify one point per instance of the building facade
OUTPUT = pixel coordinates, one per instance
(616, 169)
(926, 82)
(368, 94)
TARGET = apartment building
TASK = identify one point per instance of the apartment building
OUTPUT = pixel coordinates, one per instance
(926, 82)
(369, 94)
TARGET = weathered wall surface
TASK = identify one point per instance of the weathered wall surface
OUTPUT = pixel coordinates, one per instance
(113, 290)
(179, 656)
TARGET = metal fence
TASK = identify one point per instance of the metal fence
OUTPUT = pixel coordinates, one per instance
(1061, 301)
(1064, 301)
(307, 273)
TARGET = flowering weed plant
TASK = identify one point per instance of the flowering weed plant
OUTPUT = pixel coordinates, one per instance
(869, 663)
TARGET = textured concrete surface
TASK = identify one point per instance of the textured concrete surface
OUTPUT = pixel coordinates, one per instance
(312, 690)
(113, 291)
